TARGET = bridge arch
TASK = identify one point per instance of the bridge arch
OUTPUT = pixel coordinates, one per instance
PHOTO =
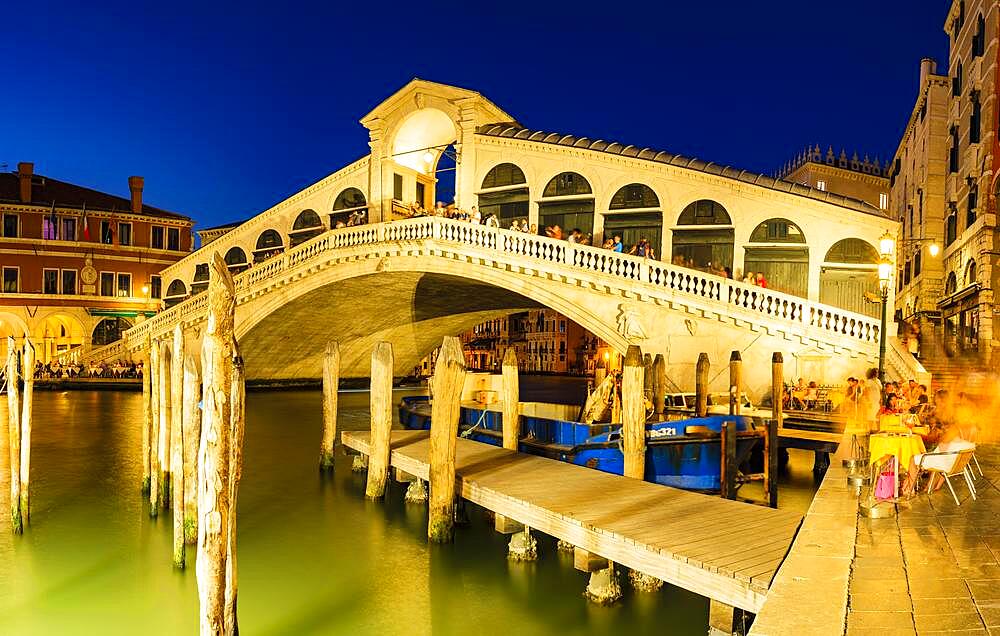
(704, 236)
(849, 274)
(777, 248)
(567, 200)
(504, 192)
(109, 330)
(424, 130)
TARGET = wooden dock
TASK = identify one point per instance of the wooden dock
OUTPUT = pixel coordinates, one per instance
(725, 550)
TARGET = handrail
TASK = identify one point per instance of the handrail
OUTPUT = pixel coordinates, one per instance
(903, 365)
(741, 297)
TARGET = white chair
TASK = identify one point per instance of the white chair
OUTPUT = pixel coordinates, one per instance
(951, 464)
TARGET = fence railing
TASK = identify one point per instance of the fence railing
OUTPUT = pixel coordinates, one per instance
(741, 298)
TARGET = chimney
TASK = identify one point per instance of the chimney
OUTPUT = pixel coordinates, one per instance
(24, 171)
(927, 67)
(135, 189)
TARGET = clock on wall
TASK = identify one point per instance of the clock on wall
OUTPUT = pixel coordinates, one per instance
(88, 274)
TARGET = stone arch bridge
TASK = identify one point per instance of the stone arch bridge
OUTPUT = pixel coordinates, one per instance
(411, 282)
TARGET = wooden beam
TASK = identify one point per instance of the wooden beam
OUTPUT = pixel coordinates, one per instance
(727, 478)
(505, 525)
(659, 383)
(735, 382)
(163, 444)
(381, 420)
(446, 387)
(511, 400)
(154, 430)
(28, 373)
(588, 561)
(701, 385)
(633, 430)
(771, 441)
(147, 420)
(331, 382)
(177, 443)
(191, 430)
(401, 476)
(14, 436)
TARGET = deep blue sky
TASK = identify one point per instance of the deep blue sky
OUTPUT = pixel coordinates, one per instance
(227, 111)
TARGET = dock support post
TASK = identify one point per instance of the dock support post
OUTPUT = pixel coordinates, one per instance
(28, 373)
(724, 620)
(14, 436)
(565, 546)
(727, 478)
(522, 546)
(511, 400)
(147, 419)
(642, 582)
(701, 385)
(647, 377)
(448, 380)
(154, 429)
(633, 415)
(659, 383)
(220, 455)
(603, 587)
(735, 382)
(165, 421)
(331, 380)
(177, 443)
(381, 420)
(360, 463)
(416, 492)
(771, 441)
(191, 431)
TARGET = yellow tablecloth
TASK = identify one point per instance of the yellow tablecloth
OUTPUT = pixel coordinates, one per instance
(903, 447)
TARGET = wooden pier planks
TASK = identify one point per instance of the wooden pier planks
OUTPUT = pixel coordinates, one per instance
(725, 550)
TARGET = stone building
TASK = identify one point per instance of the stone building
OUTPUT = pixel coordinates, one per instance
(862, 179)
(966, 219)
(79, 266)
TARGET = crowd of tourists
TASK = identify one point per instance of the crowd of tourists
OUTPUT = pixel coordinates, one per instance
(114, 370)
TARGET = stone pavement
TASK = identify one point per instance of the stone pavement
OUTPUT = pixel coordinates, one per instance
(935, 567)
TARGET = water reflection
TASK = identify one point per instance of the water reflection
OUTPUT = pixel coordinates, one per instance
(315, 556)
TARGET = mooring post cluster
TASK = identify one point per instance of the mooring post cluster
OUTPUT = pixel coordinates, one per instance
(19, 430)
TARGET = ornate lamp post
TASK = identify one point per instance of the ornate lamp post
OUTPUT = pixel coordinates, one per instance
(887, 246)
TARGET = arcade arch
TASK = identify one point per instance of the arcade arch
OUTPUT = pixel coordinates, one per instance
(704, 236)
(634, 214)
(504, 193)
(56, 333)
(567, 201)
(848, 275)
(176, 292)
(269, 244)
(306, 226)
(778, 250)
(350, 203)
(236, 260)
(109, 330)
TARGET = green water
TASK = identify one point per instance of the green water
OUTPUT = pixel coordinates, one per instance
(314, 556)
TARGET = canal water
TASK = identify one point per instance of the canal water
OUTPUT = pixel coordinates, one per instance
(314, 556)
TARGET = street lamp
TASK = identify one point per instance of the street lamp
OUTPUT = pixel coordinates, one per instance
(886, 247)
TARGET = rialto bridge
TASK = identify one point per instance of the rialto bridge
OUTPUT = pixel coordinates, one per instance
(412, 281)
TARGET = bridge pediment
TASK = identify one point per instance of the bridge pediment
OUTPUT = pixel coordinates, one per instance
(419, 94)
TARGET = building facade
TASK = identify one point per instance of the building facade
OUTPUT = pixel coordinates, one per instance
(862, 179)
(79, 266)
(960, 163)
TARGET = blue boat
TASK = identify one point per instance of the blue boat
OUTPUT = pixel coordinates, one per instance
(683, 453)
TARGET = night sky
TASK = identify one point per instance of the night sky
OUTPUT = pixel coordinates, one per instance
(227, 111)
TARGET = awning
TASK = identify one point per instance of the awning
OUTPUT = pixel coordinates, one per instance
(119, 313)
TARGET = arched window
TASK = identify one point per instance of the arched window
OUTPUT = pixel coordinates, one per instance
(307, 225)
(634, 214)
(200, 281)
(970, 273)
(706, 248)
(567, 184)
(349, 208)
(109, 330)
(506, 194)
(236, 260)
(979, 39)
(958, 80)
(176, 292)
(574, 210)
(849, 276)
(269, 244)
(951, 284)
(916, 264)
(503, 175)
(778, 250)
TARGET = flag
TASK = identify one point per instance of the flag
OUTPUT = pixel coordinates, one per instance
(86, 228)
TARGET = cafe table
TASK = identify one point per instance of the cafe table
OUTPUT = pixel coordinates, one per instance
(902, 446)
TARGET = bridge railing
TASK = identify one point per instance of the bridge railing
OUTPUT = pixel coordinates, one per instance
(767, 303)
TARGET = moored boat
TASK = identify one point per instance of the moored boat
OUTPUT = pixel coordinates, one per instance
(682, 453)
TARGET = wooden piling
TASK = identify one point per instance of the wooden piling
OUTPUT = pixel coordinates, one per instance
(14, 436)
(735, 382)
(28, 372)
(331, 381)
(511, 400)
(238, 425)
(447, 383)
(701, 385)
(154, 431)
(216, 544)
(165, 421)
(659, 383)
(191, 431)
(771, 441)
(177, 443)
(381, 420)
(633, 430)
(147, 421)
(647, 376)
(727, 478)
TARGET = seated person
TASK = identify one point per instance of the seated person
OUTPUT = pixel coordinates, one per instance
(954, 438)
(918, 399)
